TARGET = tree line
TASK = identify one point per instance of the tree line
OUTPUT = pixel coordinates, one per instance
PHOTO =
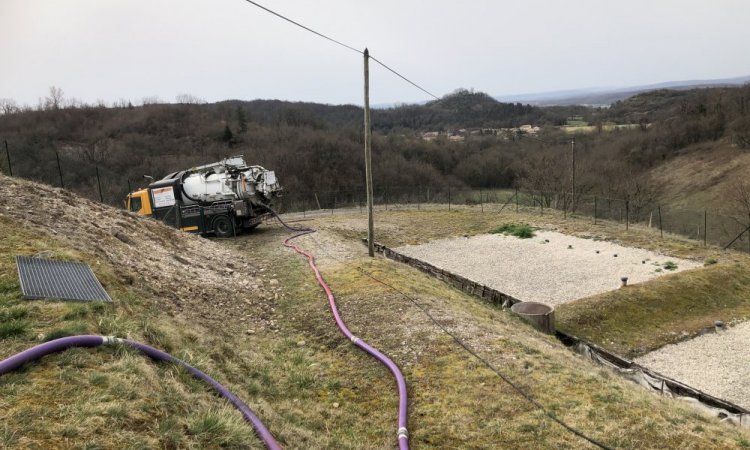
(319, 147)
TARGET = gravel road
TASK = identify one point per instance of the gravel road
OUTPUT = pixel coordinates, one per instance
(717, 364)
(551, 267)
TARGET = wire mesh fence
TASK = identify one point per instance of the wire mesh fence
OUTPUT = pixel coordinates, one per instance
(708, 226)
(727, 228)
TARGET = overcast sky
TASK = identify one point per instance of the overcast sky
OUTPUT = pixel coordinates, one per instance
(225, 49)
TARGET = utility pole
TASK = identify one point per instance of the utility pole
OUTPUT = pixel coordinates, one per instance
(573, 178)
(368, 160)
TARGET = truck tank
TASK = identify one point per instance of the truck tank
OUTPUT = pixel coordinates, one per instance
(229, 179)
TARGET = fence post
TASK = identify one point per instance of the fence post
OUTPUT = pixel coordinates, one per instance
(594, 210)
(386, 197)
(516, 199)
(99, 185)
(481, 203)
(449, 198)
(627, 214)
(334, 203)
(59, 169)
(565, 206)
(7, 153)
(661, 230)
(705, 227)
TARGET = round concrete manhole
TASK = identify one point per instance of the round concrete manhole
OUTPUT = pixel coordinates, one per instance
(540, 315)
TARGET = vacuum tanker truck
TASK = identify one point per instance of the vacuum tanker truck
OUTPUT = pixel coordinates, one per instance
(221, 198)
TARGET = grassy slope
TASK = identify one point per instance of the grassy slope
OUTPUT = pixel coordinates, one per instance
(702, 176)
(307, 383)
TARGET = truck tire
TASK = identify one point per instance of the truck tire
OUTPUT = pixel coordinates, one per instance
(223, 227)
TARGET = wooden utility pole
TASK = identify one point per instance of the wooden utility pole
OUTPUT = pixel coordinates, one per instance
(368, 160)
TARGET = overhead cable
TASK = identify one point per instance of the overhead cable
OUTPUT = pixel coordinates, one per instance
(343, 45)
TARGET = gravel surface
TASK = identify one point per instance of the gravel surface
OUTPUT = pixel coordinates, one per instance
(717, 364)
(551, 267)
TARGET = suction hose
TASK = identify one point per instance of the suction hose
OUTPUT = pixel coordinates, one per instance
(403, 436)
(58, 345)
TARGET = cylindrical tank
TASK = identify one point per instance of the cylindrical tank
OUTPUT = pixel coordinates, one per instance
(540, 315)
(210, 187)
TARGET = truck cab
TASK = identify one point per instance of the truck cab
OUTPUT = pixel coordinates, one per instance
(139, 202)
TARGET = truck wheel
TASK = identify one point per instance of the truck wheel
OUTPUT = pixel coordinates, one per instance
(223, 227)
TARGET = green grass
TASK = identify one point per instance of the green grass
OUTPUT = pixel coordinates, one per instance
(522, 231)
(13, 328)
(646, 316)
(293, 387)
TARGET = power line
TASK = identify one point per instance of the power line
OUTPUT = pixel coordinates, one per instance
(343, 45)
(303, 27)
(406, 79)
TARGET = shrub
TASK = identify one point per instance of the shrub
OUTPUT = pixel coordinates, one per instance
(521, 231)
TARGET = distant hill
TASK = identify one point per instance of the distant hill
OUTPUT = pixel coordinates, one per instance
(607, 95)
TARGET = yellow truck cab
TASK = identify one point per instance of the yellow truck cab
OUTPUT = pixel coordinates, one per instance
(139, 202)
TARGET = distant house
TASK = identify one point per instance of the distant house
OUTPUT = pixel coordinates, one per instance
(456, 138)
(430, 135)
(529, 129)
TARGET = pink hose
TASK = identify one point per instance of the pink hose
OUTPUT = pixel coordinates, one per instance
(403, 437)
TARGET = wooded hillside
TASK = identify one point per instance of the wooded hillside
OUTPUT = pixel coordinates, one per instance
(315, 147)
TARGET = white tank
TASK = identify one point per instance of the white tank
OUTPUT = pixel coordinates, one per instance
(230, 179)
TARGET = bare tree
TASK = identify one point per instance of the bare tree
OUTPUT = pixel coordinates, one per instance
(55, 98)
(8, 106)
(189, 99)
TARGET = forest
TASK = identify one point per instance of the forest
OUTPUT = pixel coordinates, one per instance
(316, 147)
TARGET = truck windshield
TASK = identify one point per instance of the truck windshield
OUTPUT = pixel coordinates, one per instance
(135, 204)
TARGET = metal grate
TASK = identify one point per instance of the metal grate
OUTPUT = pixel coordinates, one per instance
(46, 278)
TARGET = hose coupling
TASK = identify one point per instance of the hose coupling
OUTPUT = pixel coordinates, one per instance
(107, 340)
(354, 339)
(402, 433)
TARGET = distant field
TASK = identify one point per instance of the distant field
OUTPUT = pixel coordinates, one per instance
(585, 128)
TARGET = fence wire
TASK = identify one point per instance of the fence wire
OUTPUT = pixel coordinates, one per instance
(708, 226)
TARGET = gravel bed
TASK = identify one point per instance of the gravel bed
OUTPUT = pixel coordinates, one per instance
(551, 267)
(717, 363)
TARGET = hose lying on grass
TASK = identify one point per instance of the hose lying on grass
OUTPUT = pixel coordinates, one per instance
(14, 362)
(403, 435)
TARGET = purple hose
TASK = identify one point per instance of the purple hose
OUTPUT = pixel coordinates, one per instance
(58, 345)
(403, 436)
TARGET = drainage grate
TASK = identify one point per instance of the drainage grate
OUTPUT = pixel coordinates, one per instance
(46, 278)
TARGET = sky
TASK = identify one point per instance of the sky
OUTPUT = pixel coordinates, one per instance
(229, 49)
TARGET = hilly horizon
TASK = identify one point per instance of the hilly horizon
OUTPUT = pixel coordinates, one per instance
(602, 96)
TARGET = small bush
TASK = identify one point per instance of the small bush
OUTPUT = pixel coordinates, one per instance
(520, 231)
(710, 262)
(670, 265)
